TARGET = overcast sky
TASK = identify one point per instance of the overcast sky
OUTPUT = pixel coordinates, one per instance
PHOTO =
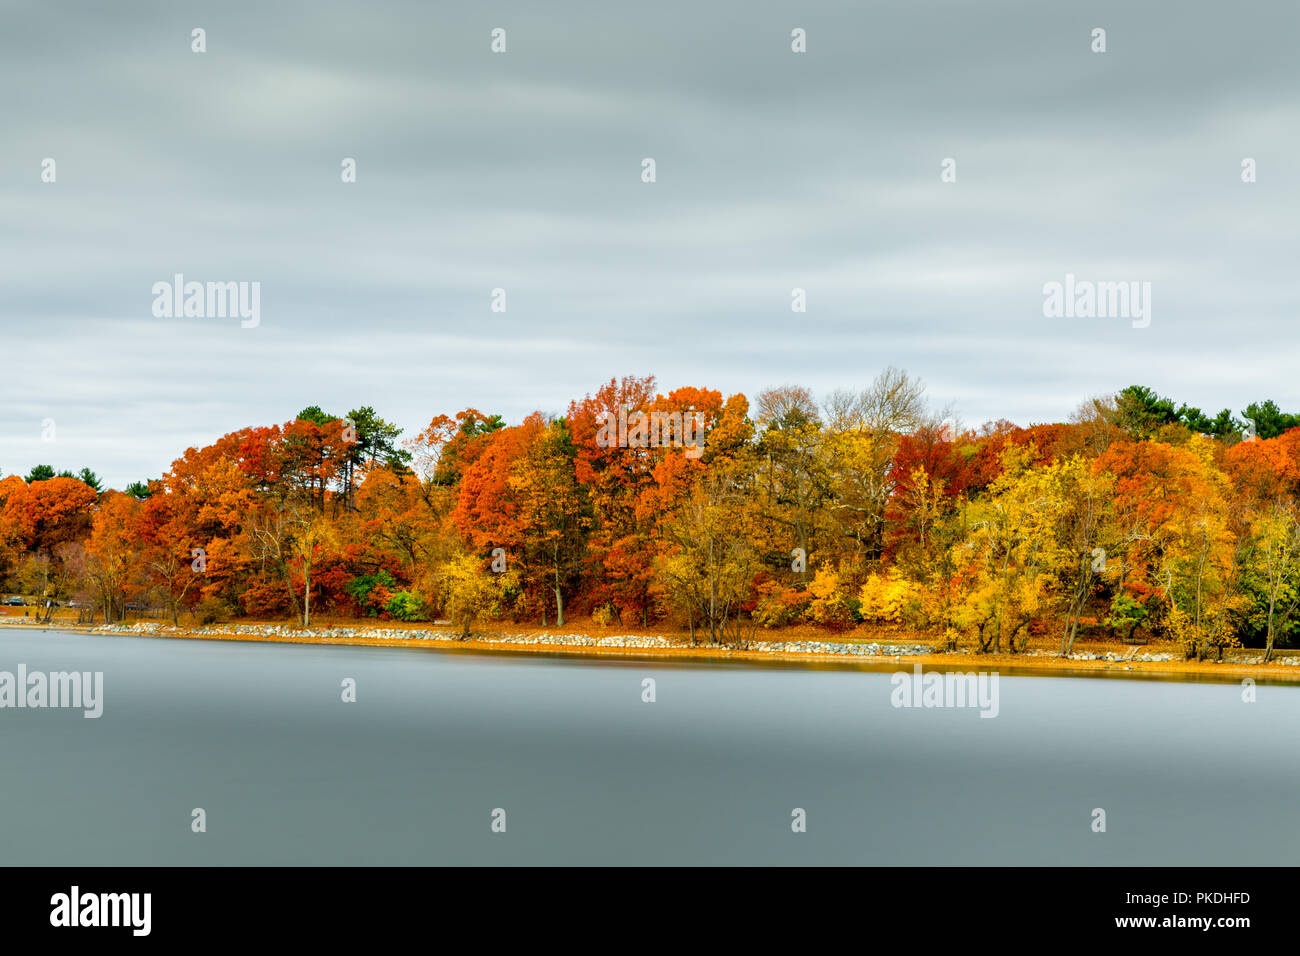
(522, 171)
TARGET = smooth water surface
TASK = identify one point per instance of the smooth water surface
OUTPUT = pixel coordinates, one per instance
(258, 736)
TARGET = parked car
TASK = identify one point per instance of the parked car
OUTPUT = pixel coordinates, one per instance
(15, 602)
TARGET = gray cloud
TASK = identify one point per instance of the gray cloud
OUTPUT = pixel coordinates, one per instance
(522, 171)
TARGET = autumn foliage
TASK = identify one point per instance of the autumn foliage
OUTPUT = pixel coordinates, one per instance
(864, 511)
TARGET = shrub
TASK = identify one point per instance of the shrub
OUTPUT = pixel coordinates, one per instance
(828, 608)
(889, 598)
(264, 599)
(1127, 614)
(372, 593)
(470, 593)
(212, 610)
(406, 606)
(604, 615)
(777, 605)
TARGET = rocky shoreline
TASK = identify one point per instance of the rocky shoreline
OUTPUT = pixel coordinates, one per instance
(272, 631)
(833, 649)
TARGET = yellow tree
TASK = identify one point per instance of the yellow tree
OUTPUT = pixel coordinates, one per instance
(1199, 561)
(708, 566)
(861, 434)
(1013, 546)
(1275, 536)
(311, 533)
(468, 592)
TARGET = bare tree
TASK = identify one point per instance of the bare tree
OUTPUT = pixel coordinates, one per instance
(863, 431)
(785, 405)
(893, 402)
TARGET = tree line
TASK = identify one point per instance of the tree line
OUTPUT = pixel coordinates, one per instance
(1138, 518)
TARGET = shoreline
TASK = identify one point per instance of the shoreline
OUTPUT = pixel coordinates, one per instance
(1139, 662)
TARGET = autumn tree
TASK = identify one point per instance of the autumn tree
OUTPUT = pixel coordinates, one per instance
(621, 549)
(489, 509)
(470, 592)
(368, 442)
(708, 568)
(1084, 533)
(862, 435)
(111, 555)
(168, 549)
(1275, 550)
(1013, 545)
(554, 513)
(793, 483)
(1171, 510)
(310, 533)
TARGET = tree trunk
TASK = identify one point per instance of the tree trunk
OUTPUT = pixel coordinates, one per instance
(1268, 651)
(1067, 639)
(293, 594)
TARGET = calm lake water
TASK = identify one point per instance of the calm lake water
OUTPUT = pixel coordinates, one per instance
(258, 736)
